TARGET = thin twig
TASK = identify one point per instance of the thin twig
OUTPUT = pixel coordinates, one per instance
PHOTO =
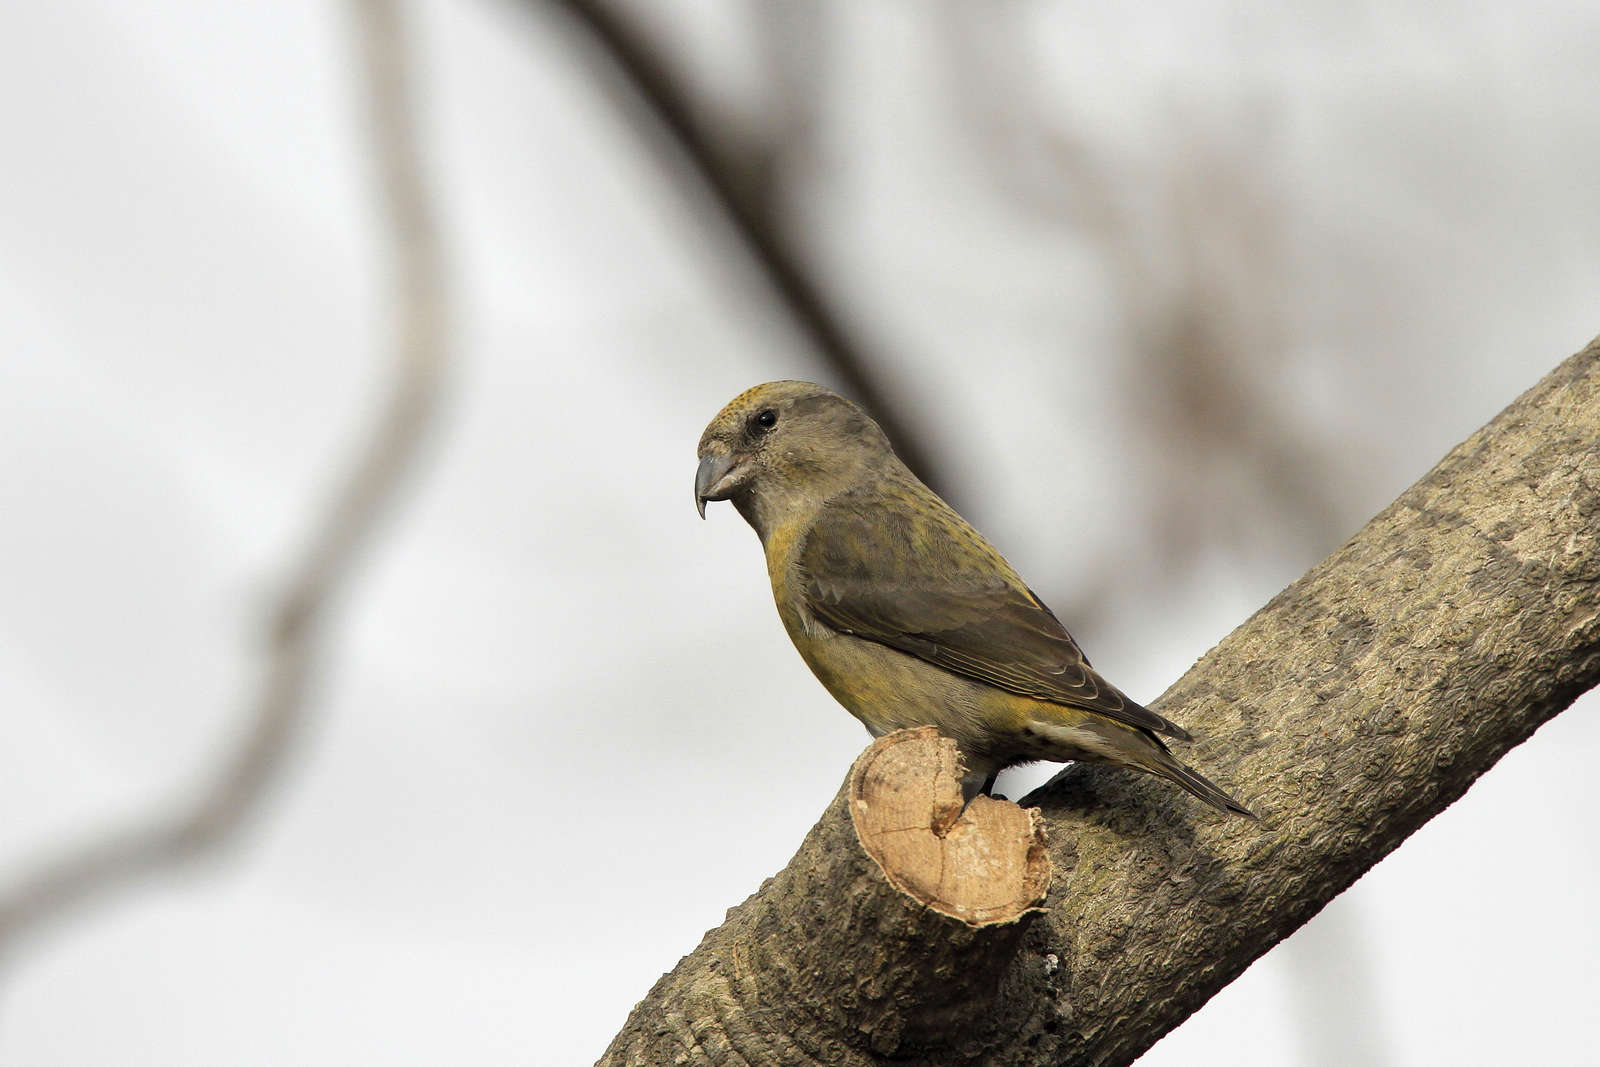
(212, 818)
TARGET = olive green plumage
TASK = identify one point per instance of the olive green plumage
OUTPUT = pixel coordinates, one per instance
(902, 610)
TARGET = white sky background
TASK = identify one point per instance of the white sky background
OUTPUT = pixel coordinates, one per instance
(560, 729)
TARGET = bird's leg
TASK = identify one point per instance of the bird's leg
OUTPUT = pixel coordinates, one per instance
(973, 785)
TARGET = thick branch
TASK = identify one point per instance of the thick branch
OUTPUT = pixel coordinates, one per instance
(1358, 704)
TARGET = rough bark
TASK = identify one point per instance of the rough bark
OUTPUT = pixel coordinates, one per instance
(1356, 705)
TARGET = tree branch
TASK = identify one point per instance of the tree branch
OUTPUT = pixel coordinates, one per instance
(213, 817)
(1356, 705)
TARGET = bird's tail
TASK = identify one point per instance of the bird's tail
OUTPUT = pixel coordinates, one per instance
(1092, 737)
(1192, 781)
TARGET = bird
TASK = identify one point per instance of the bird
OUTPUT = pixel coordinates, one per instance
(903, 611)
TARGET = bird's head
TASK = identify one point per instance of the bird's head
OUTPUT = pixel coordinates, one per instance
(778, 449)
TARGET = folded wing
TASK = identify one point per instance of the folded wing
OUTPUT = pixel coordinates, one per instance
(921, 580)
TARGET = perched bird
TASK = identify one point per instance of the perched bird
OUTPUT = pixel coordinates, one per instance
(902, 610)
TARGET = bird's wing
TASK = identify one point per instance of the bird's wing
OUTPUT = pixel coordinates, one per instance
(921, 580)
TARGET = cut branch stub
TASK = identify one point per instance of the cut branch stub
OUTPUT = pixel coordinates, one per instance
(906, 911)
(984, 865)
(893, 932)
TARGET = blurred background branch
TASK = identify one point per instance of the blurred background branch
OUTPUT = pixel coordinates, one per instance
(744, 178)
(1196, 253)
(213, 818)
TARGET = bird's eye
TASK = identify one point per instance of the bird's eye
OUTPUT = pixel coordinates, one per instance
(767, 419)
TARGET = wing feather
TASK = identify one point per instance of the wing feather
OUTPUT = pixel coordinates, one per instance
(919, 579)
